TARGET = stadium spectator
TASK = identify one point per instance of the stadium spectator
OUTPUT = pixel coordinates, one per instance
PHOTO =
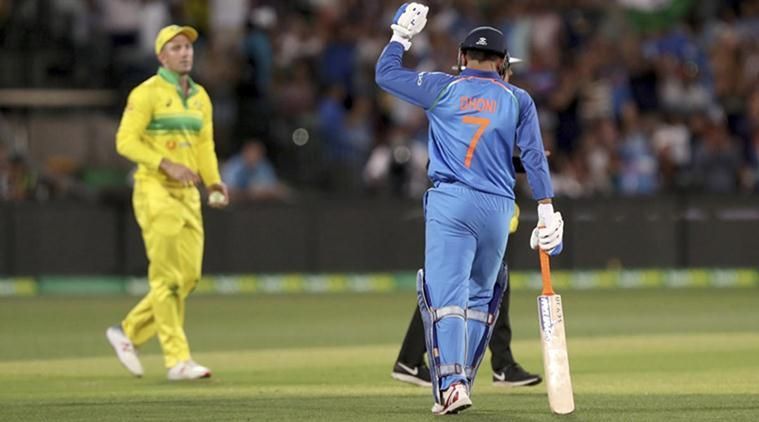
(750, 174)
(585, 62)
(254, 100)
(637, 173)
(18, 180)
(716, 161)
(5, 166)
(250, 176)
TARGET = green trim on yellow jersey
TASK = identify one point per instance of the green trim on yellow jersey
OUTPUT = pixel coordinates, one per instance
(175, 124)
(159, 123)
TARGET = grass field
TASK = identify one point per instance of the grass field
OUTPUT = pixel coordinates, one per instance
(636, 355)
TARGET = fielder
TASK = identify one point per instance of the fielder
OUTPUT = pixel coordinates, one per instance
(475, 120)
(167, 131)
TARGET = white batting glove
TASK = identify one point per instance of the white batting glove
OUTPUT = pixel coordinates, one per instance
(408, 21)
(549, 234)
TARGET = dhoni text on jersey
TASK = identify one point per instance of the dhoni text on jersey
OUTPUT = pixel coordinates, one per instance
(486, 105)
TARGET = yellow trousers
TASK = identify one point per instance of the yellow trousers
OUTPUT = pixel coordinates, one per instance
(172, 229)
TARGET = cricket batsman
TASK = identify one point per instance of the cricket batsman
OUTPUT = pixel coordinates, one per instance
(410, 367)
(166, 129)
(476, 120)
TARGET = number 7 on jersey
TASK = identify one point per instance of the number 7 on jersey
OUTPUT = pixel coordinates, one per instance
(482, 122)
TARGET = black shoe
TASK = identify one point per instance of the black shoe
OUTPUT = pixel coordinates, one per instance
(515, 376)
(417, 375)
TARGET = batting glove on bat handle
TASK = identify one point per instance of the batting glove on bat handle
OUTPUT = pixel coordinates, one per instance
(408, 21)
(549, 234)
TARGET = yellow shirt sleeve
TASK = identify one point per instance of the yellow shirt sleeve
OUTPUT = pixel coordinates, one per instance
(129, 138)
(208, 164)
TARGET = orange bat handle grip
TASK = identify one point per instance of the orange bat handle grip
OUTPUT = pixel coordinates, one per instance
(545, 271)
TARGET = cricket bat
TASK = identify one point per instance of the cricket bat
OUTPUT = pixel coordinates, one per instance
(554, 341)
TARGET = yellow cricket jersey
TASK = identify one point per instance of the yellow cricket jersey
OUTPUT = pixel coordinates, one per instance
(160, 122)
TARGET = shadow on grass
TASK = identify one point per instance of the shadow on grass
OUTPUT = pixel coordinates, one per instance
(487, 407)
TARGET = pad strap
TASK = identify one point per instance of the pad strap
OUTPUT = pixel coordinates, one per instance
(448, 311)
(451, 369)
(484, 317)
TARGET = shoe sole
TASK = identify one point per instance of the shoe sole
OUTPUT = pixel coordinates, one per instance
(525, 383)
(410, 379)
(456, 408)
(204, 376)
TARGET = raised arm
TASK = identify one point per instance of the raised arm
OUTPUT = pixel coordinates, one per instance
(418, 88)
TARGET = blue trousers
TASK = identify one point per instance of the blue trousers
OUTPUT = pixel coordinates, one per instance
(466, 232)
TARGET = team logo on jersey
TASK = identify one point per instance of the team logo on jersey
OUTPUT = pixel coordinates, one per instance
(419, 78)
(168, 103)
(171, 145)
(482, 41)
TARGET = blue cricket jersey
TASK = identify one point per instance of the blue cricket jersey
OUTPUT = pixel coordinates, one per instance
(476, 119)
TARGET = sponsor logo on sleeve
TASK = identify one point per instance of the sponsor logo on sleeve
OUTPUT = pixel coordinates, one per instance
(419, 78)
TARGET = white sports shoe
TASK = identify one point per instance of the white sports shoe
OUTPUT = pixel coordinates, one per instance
(124, 350)
(455, 399)
(188, 370)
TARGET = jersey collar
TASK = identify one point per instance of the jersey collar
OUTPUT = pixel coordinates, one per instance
(481, 73)
(173, 78)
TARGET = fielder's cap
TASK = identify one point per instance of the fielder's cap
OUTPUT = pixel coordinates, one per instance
(167, 33)
(485, 38)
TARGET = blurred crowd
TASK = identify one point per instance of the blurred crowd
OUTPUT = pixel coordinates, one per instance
(635, 97)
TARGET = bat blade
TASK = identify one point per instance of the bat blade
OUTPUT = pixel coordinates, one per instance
(555, 356)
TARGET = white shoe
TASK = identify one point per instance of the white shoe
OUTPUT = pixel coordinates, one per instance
(188, 370)
(124, 350)
(455, 399)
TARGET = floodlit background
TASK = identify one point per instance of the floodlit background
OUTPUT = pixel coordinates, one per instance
(650, 111)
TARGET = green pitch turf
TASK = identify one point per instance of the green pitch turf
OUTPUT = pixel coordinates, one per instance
(636, 355)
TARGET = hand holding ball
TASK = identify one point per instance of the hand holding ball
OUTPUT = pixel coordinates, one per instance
(217, 199)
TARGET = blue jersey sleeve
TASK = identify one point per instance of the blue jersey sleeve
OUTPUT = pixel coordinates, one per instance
(418, 88)
(530, 142)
